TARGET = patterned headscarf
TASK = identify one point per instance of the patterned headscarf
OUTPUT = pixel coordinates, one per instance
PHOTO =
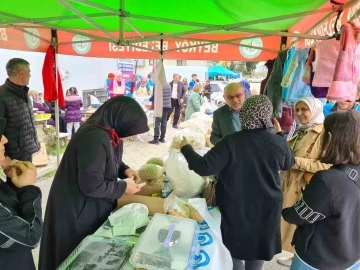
(256, 113)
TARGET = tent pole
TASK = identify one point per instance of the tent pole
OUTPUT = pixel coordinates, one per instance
(87, 19)
(57, 115)
(283, 43)
(122, 21)
(162, 49)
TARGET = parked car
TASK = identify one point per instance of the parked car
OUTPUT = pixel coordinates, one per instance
(255, 80)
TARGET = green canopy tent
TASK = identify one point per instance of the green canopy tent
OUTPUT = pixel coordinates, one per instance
(205, 29)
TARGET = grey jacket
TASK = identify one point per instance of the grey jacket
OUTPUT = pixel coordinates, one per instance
(166, 97)
(16, 108)
(222, 124)
(181, 91)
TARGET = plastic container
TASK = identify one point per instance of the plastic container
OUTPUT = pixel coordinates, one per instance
(98, 253)
(152, 253)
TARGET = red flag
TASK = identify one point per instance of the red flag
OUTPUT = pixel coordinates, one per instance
(49, 79)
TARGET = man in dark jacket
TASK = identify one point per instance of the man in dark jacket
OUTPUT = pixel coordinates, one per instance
(161, 122)
(16, 108)
(20, 212)
(178, 92)
(226, 119)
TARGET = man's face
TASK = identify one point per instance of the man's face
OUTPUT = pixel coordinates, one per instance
(345, 105)
(143, 81)
(176, 78)
(25, 75)
(194, 78)
(234, 97)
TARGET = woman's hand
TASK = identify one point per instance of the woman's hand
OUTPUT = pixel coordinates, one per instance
(22, 173)
(276, 125)
(132, 174)
(184, 142)
(131, 187)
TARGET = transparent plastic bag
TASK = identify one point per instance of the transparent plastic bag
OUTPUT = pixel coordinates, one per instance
(195, 124)
(196, 139)
(199, 116)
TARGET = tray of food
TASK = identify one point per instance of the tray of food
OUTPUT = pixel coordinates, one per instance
(98, 253)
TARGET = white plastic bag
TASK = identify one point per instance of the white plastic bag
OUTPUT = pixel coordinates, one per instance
(196, 139)
(195, 124)
(199, 116)
(185, 182)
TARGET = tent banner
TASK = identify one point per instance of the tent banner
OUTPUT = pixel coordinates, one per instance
(327, 27)
(14, 39)
(179, 48)
(194, 48)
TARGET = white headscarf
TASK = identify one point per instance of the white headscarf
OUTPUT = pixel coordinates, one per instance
(316, 109)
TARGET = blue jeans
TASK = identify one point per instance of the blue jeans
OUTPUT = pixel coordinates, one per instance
(298, 264)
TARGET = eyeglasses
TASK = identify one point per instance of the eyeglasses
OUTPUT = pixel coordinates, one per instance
(238, 96)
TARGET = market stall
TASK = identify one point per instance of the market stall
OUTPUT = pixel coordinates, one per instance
(154, 230)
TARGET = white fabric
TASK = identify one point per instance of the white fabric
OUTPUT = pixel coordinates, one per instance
(174, 91)
(212, 253)
(316, 109)
(76, 126)
(158, 76)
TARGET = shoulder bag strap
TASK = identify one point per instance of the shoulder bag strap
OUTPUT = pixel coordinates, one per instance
(352, 174)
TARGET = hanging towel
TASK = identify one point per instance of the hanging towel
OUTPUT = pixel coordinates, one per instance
(326, 53)
(298, 89)
(288, 72)
(158, 76)
(273, 89)
(308, 67)
(347, 70)
(269, 64)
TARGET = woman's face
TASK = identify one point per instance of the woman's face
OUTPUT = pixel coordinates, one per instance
(119, 77)
(303, 113)
(207, 82)
(3, 141)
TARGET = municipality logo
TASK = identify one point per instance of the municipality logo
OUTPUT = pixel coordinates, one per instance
(81, 44)
(201, 260)
(205, 239)
(31, 39)
(251, 53)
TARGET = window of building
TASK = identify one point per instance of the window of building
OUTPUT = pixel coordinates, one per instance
(181, 62)
(151, 62)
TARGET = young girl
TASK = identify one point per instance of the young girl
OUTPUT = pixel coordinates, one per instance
(73, 104)
(117, 85)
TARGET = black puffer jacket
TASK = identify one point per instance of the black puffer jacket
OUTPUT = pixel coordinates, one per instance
(20, 225)
(20, 129)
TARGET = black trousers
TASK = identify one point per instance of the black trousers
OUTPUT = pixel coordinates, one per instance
(160, 124)
(175, 105)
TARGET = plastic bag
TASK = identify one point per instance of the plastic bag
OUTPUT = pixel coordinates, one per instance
(195, 124)
(196, 139)
(186, 183)
(180, 207)
(199, 116)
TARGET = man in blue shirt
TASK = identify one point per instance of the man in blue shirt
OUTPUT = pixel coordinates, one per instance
(193, 81)
(343, 105)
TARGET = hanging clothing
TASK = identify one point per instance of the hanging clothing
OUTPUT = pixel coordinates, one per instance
(294, 87)
(288, 72)
(269, 64)
(85, 189)
(347, 69)
(326, 53)
(273, 89)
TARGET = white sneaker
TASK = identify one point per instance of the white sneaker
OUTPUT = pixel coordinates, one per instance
(285, 260)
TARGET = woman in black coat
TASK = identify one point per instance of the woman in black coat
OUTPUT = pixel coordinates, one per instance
(86, 186)
(248, 163)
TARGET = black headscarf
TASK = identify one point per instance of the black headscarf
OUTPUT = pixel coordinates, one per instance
(123, 115)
